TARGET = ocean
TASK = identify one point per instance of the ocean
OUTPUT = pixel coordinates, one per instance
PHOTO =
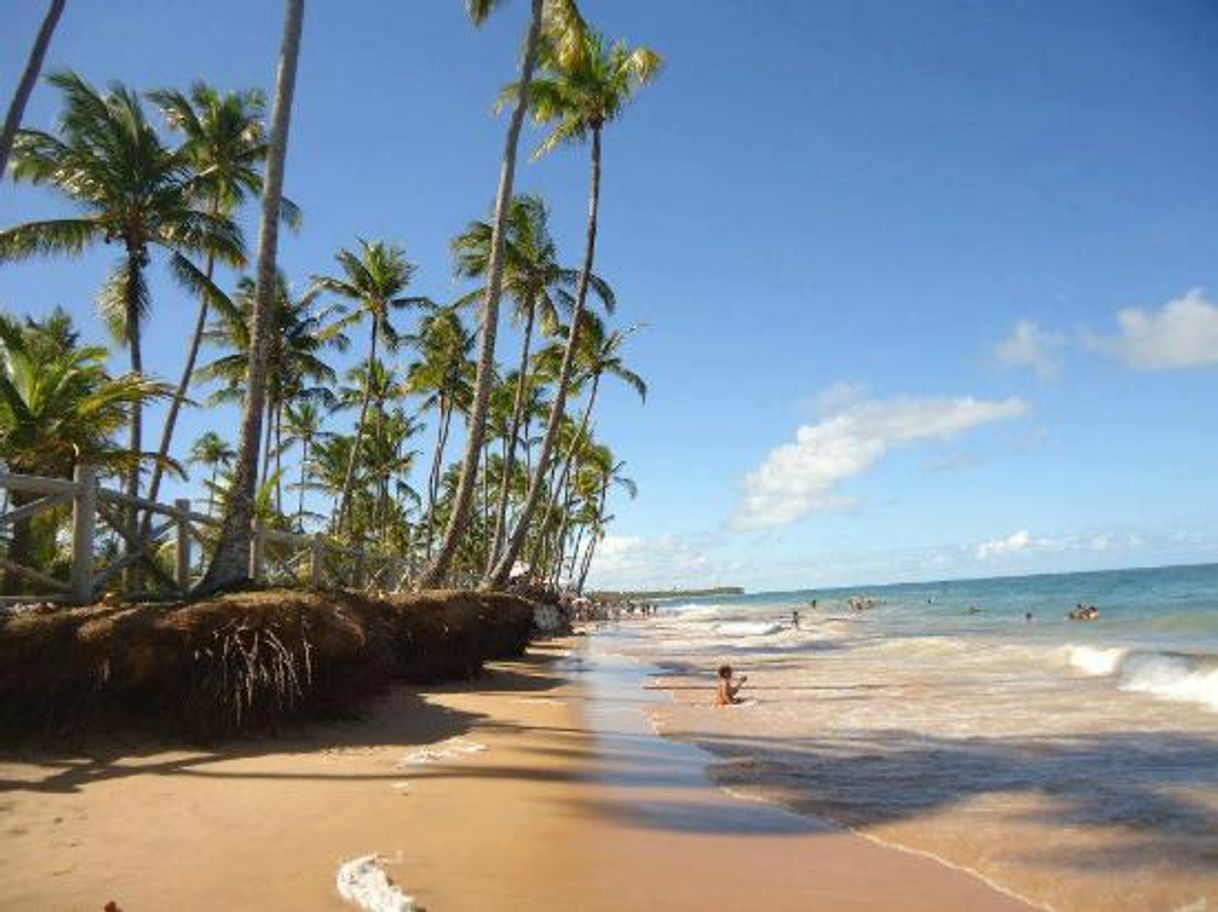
(1074, 763)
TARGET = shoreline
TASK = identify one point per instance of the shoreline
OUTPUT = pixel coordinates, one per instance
(571, 800)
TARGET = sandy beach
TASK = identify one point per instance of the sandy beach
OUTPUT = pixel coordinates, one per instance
(540, 786)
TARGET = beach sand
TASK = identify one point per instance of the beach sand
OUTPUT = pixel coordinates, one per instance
(572, 803)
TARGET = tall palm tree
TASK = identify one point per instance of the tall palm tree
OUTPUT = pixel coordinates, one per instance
(600, 353)
(296, 367)
(134, 191)
(223, 141)
(373, 281)
(539, 288)
(58, 406)
(230, 562)
(561, 19)
(444, 377)
(29, 76)
(303, 422)
(213, 451)
(612, 476)
(579, 93)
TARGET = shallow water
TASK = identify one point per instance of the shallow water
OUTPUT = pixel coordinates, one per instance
(1073, 762)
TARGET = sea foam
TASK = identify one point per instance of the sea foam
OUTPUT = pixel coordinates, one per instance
(748, 628)
(363, 881)
(1170, 676)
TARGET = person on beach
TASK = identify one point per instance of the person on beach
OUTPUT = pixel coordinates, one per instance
(726, 695)
(795, 618)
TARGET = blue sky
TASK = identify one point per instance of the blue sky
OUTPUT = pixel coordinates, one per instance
(883, 251)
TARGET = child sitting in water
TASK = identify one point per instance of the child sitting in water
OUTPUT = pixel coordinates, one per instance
(726, 695)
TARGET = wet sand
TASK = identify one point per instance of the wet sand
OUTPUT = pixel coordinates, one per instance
(574, 803)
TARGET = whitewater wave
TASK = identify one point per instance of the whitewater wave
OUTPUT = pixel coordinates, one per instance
(748, 628)
(1167, 675)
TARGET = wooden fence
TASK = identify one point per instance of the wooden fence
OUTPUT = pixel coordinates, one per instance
(276, 556)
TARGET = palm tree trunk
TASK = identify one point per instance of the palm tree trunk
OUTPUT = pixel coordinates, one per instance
(179, 395)
(502, 570)
(433, 486)
(304, 480)
(353, 459)
(211, 491)
(279, 457)
(509, 456)
(435, 573)
(135, 259)
(573, 449)
(230, 563)
(33, 66)
(595, 536)
(266, 444)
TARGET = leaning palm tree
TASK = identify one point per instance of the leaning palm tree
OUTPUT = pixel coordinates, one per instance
(230, 562)
(443, 376)
(540, 289)
(212, 451)
(29, 76)
(579, 93)
(562, 21)
(109, 161)
(224, 144)
(58, 407)
(600, 354)
(372, 282)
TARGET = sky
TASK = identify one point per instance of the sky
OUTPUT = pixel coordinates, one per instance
(930, 288)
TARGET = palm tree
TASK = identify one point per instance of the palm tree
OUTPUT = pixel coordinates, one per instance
(540, 289)
(223, 141)
(230, 562)
(303, 422)
(59, 406)
(213, 451)
(134, 192)
(613, 475)
(373, 280)
(600, 353)
(296, 369)
(29, 76)
(563, 20)
(579, 93)
(444, 378)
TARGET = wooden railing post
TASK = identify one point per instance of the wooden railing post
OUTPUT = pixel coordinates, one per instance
(84, 526)
(258, 551)
(317, 553)
(182, 505)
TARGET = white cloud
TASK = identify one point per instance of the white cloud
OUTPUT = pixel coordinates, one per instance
(840, 395)
(1095, 542)
(1030, 346)
(1017, 541)
(799, 478)
(635, 562)
(1183, 333)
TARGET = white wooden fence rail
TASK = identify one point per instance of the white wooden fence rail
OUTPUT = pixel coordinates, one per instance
(273, 552)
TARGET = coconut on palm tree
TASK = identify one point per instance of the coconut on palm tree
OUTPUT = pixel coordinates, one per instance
(578, 93)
